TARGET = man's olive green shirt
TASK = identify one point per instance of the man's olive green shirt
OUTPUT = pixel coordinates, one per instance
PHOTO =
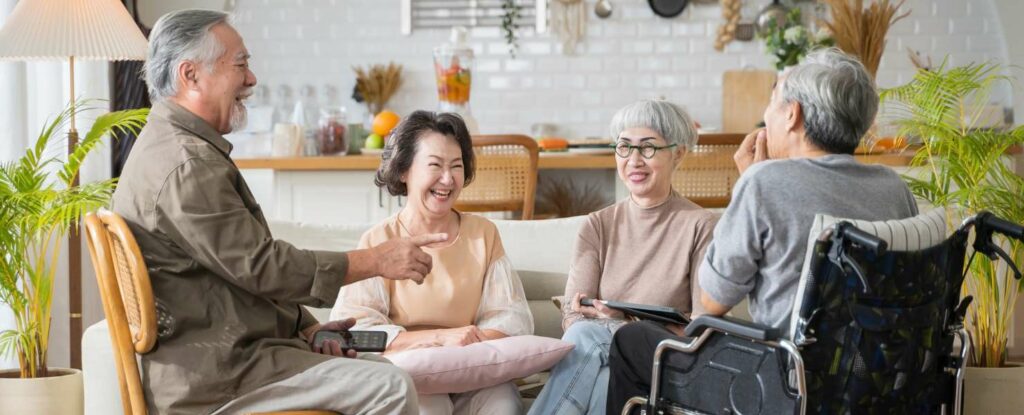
(228, 294)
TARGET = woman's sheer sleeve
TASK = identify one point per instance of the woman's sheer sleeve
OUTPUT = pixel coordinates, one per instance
(503, 305)
(368, 302)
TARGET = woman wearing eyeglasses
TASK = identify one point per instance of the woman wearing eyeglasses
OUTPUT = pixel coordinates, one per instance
(645, 249)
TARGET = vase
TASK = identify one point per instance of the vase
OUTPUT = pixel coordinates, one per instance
(59, 394)
(994, 390)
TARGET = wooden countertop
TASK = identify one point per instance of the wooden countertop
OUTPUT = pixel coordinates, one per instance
(556, 161)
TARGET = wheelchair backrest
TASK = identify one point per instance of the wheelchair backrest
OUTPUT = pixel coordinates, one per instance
(911, 234)
(879, 336)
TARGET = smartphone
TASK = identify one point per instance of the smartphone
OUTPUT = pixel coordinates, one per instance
(360, 341)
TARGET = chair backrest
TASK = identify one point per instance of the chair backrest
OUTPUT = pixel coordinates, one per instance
(707, 173)
(127, 300)
(876, 330)
(506, 175)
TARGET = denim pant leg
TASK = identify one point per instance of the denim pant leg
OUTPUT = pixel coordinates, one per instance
(577, 381)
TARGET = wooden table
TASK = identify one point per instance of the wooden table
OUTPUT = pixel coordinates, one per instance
(556, 161)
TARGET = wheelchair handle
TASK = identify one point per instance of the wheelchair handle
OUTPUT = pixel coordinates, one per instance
(867, 240)
(1003, 226)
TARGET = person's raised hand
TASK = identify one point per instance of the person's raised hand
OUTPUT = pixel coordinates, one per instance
(404, 259)
(753, 149)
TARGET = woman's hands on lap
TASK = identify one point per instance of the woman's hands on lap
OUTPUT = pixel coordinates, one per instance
(456, 337)
(598, 311)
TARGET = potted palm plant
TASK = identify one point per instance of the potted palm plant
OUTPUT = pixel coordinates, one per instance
(39, 203)
(965, 169)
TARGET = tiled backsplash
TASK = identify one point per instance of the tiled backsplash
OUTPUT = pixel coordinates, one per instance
(632, 55)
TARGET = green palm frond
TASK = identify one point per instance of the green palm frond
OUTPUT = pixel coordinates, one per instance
(36, 212)
(117, 122)
(967, 172)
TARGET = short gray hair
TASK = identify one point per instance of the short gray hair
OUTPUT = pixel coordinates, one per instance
(180, 36)
(837, 96)
(665, 118)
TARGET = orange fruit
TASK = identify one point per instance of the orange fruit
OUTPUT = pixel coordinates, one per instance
(890, 143)
(553, 144)
(384, 122)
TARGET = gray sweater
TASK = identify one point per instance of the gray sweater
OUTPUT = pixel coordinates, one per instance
(760, 242)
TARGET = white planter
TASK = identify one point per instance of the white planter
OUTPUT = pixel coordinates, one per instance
(993, 390)
(55, 395)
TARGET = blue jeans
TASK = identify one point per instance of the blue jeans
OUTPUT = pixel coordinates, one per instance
(579, 383)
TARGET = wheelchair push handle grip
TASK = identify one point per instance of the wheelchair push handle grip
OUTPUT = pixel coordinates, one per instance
(1002, 226)
(867, 240)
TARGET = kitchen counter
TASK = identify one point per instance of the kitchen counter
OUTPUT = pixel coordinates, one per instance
(547, 161)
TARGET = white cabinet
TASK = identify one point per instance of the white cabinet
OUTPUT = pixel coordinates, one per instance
(331, 197)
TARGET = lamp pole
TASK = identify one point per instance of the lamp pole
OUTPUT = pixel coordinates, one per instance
(74, 251)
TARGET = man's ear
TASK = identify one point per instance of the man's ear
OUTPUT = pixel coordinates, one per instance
(188, 73)
(794, 116)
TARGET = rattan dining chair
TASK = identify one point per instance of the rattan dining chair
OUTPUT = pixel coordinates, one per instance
(128, 303)
(707, 173)
(506, 175)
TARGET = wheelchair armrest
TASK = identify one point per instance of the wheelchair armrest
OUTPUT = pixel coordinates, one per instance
(730, 325)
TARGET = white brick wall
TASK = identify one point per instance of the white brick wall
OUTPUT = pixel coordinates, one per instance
(632, 55)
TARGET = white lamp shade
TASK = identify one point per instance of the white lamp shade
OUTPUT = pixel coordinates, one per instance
(58, 29)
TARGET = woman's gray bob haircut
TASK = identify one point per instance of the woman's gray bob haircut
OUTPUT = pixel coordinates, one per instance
(180, 36)
(665, 118)
(837, 96)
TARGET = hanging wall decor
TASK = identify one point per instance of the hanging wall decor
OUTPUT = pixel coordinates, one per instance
(569, 22)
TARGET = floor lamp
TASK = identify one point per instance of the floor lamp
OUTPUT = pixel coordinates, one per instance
(72, 30)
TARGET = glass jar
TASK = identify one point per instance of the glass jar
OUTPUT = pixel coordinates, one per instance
(331, 134)
(453, 67)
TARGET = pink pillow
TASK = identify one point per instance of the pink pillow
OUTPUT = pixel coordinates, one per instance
(454, 369)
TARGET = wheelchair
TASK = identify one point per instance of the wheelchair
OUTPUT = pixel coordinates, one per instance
(873, 329)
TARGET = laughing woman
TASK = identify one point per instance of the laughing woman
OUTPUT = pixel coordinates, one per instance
(645, 249)
(471, 294)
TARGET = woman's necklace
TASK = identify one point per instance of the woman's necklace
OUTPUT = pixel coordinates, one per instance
(401, 224)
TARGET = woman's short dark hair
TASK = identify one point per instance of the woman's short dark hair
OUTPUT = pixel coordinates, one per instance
(403, 143)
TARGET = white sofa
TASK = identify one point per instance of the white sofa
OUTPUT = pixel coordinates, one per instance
(540, 251)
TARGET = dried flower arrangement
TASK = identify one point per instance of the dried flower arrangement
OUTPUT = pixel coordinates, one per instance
(377, 84)
(861, 31)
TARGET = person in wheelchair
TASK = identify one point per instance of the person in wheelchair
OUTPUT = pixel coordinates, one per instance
(799, 165)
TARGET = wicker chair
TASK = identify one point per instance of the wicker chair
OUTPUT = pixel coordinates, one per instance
(128, 303)
(506, 175)
(707, 174)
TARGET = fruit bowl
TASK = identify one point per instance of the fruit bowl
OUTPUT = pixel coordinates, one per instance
(371, 151)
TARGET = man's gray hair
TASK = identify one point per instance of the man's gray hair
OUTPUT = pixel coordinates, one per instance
(180, 36)
(665, 118)
(837, 96)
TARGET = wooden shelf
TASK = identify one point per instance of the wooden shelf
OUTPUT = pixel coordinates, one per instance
(546, 162)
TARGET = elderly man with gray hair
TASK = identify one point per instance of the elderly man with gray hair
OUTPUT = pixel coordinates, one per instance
(233, 335)
(799, 165)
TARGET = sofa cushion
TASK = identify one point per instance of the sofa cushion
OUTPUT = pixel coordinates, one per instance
(540, 287)
(456, 369)
(540, 245)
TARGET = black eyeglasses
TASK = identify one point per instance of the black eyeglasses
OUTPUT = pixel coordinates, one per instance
(647, 150)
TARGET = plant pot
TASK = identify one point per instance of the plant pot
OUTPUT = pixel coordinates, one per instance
(995, 390)
(59, 394)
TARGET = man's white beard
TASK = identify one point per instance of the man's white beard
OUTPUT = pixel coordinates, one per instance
(239, 117)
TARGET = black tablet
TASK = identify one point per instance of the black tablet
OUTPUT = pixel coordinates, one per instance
(648, 312)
